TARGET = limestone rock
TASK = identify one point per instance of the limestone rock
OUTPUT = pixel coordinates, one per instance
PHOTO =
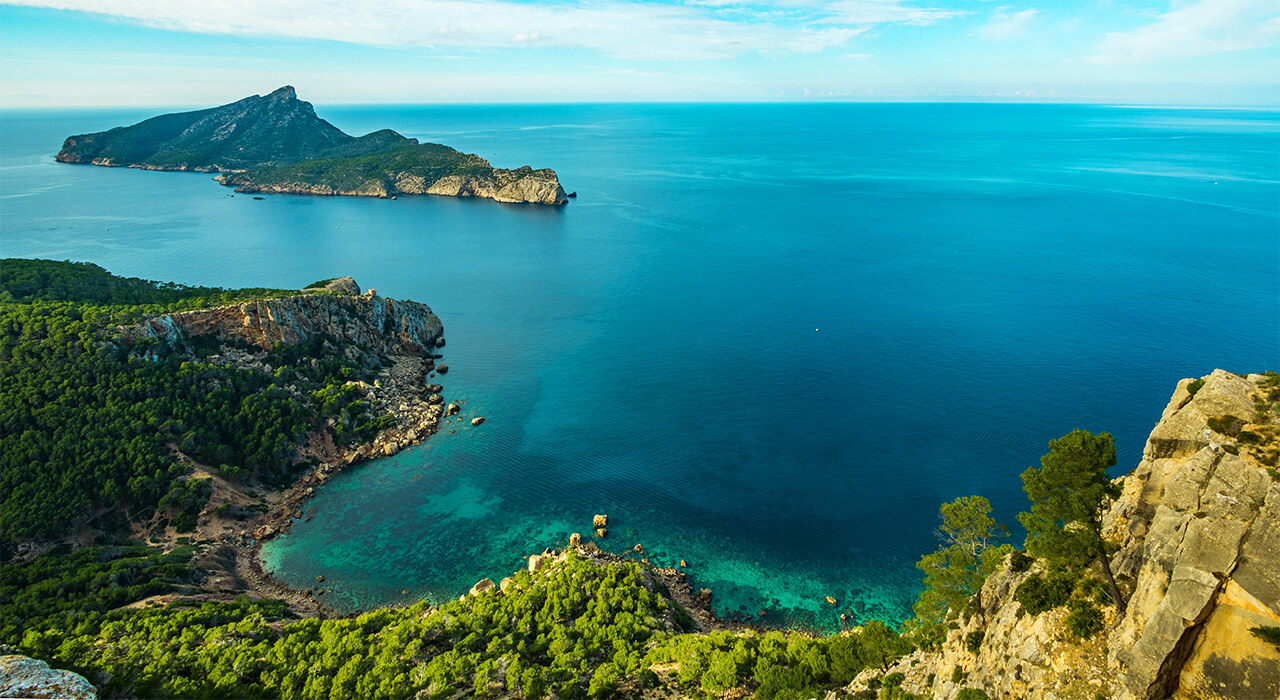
(600, 521)
(23, 677)
(477, 420)
(481, 586)
(339, 285)
(383, 325)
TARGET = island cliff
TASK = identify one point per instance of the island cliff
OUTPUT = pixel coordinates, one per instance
(276, 143)
(1196, 532)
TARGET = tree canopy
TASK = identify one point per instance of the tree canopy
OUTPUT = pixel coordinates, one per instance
(1069, 493)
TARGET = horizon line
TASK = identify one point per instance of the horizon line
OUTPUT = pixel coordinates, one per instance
(966, 100)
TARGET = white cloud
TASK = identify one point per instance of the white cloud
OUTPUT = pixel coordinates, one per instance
(632, 30)
(1006, 25)
(1195, 29)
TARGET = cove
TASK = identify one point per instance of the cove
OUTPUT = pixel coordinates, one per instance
(766, 339)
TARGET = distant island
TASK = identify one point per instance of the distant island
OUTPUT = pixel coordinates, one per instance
(277, 144)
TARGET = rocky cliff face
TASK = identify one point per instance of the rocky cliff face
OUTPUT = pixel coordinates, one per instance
(383, 325)
(1198, 533)
(1199, 529)
(521, 186)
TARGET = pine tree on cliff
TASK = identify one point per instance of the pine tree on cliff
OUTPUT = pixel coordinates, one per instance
(1069, 493)
(954, 574)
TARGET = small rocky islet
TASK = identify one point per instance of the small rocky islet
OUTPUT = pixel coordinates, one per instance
(276, 143)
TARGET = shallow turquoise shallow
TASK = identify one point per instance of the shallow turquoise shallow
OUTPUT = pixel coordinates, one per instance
(767, 339)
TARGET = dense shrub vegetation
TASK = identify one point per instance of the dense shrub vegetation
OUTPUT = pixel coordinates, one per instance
(89, 422)
(576, 629)
(62, 589)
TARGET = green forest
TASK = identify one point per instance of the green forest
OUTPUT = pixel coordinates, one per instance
(96, 432)
(91, 424)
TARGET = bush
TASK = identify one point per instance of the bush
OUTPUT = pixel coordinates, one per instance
(1269, 634)
(1095, 590)
(1193, 387)
(1019, 562)
(1227, 425)
(1039, 594)
(973, 641)
(1085, 619)
(959, 675)
(973, 694)
(1249, 437)
(893, 680)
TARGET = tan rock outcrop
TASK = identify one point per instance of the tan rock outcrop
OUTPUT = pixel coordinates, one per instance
(1199, 529)
(24, 677)
(1197, 526)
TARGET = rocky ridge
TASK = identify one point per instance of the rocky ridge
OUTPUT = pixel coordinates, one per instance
(1197, 530)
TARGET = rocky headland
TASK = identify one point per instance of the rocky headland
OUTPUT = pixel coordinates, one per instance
(1196, 532)
(401, 337)
(277, 144)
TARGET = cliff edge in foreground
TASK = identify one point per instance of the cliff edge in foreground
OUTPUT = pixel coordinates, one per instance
(276, 143)
(1197, 536)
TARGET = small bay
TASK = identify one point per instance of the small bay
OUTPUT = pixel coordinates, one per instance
(766, 339)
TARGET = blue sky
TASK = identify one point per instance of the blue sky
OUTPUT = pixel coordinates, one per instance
(180, 52)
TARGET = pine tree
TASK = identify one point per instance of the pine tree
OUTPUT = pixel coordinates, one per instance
(1069, 493)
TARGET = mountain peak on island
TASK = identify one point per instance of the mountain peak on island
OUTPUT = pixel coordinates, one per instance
(276, 143)
(260, 130)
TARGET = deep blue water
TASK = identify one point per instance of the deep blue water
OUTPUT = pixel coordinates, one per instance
(768, 339)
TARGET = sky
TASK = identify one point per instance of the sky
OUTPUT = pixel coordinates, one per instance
(66, 53)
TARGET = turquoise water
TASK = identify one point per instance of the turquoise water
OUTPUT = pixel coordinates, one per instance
(767, 339)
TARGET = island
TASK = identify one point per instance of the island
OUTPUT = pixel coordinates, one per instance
(277, 144)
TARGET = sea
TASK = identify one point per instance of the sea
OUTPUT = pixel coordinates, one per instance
(765, 339)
